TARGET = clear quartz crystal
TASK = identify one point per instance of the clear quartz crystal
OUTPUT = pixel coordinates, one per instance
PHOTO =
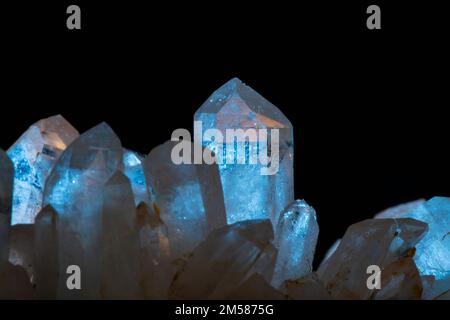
(432, 255)
(133, 169)
(34, 154)
(188, 196)
(296, 238)
(75, 190)
(248, 193)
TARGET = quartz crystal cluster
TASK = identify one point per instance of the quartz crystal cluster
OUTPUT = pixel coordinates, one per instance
(81, 217)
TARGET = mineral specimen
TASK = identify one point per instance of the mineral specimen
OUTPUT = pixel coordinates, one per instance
(34, 156)
(296, 238)
(75, 189)
(134, 170)
(248, 193)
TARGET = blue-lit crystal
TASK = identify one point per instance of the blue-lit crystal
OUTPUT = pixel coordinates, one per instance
(34, 155)
(296, 238)
(75, 189)
(132, 168)
(248, 193)
(432, 255)
(6, 188)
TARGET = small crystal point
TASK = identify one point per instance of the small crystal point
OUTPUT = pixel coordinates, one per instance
(221, 263)
(75, 190)
(6, 189)
(121, 269)
(46, 253)
(370, 242)
(296, 238)
(154, 253)
(247, 192)
(34, 154)
(432, 255)
(188, 197)
(133, 169)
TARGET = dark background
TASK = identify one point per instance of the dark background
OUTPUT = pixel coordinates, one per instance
(368, 106)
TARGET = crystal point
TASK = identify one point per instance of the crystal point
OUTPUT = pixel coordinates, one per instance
(248, 193)
(75, 190)
(34, 154)
(296, 237)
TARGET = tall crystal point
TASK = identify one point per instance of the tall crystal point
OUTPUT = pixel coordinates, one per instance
(432, 255)
(188, 196)
(256, 136)
(34, 156)
(6, 188)
(75, 190)
(296, 239)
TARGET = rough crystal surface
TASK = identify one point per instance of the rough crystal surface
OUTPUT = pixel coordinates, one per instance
(220, 264)
(34, 155)
(370, 242)
(249, 194)
(296, 238)
(433, 251)
(157, 271)
(75, 190)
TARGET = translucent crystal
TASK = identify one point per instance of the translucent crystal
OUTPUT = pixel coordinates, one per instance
(154, 253)
(46, 253)
(248, 193)
(188, 197)
(370, 242)
(75, 190)
(34, 155)
(433, 251)
(6, 187)
(296, 238)
(15, 283)
(133, 169)
(224, 261)
(121, 269)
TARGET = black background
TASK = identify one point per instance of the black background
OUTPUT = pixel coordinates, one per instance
(368, 106)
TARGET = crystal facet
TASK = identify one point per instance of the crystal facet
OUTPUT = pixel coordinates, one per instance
(220, 264)
(248, 193)
(34, 155)
(120, 253)
(295, 237)
(370, 242)
(133, 169)
(75, 190)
